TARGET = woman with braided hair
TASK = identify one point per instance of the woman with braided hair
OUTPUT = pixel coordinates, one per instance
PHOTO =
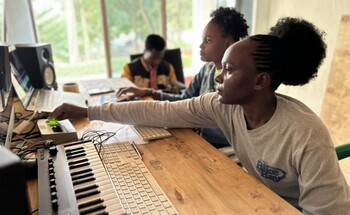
(278, 139)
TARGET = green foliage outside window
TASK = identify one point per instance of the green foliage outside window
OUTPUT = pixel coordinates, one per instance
(74, 30)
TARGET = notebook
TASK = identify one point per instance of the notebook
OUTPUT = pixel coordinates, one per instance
(40, 100)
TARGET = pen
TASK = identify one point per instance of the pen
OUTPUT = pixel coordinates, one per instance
(136, 149)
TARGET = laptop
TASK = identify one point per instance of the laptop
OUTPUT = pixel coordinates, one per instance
(40, 100)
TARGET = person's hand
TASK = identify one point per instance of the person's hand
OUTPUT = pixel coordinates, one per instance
(68, 111)
(132, 92)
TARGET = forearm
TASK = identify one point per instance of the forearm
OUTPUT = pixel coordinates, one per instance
(185, 114)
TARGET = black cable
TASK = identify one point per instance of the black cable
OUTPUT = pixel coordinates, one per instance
(22, 152)
(97, 137)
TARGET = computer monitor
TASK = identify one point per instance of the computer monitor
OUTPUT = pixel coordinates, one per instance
(5, 78)
(20, 79)
(6, 105)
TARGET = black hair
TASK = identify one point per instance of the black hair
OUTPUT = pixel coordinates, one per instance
(231, 22)
(154, 41)
(292, 52)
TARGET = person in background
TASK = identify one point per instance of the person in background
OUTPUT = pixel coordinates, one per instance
(226, 27)
(151, 70)
(278, 139)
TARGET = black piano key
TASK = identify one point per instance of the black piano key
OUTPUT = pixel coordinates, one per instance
(103, 213)
(78, 161)
(76, 177)
(90, 203)
(75, 156)
(74, 166)
(80, 181)
(81, 171)
(75, 152)
(86, 194)
(91, 210)
(82, 189)
(74, 149)
(76, 143)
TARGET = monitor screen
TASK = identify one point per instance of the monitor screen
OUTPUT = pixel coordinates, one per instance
(20, 79)
(6, 104)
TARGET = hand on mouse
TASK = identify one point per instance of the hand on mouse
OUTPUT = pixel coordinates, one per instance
(133, 92)
(68, 111)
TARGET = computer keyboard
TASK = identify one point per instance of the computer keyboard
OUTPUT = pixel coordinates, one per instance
(112, 83)
(151, 133)
(48, 100)
(137, 189)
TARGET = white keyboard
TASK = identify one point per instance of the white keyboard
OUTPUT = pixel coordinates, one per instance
(137, 189)
(151, 133)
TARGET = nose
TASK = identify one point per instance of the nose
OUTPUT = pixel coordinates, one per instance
(201, 45)
(219, 78)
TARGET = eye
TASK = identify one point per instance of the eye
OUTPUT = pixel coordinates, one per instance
(227, 69)
(207, 40)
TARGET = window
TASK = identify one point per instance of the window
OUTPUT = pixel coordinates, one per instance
(74, 30)
(2, 19)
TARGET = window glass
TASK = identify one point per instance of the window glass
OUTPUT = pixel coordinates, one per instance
(129, 27)
(180, 32)
(74, 30)
(2, 20)
(129, 22)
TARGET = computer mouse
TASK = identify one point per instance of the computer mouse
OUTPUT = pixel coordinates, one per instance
(125, 97)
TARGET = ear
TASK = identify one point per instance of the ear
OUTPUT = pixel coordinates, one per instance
(263, 80)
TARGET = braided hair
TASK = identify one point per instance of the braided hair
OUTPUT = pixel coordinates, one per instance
(292, 52)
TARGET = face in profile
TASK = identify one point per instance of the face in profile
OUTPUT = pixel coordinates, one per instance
(238, 78)
(154, 57)
(213, 43)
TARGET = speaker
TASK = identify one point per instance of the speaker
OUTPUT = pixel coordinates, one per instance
(37, 60)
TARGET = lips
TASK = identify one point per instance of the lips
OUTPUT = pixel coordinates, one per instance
(219, 91)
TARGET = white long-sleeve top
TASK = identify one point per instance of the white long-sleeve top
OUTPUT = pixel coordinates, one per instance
(292, 153)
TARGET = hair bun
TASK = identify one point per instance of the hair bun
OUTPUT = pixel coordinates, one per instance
(302, 49)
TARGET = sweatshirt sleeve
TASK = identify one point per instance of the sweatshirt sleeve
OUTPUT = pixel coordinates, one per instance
(329, 195)
(187, 113)
(191, 91)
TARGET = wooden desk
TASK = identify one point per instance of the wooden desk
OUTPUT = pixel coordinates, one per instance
(199, 179)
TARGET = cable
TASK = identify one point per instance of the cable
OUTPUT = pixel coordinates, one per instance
(24, 124)
(31, 147)
(97, 137)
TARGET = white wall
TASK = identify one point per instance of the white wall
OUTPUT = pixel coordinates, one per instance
(325, 15)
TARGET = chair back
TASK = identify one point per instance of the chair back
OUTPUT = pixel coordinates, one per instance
(173, 56)
(343, 151)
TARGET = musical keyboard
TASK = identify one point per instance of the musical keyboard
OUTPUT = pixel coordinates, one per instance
(72, 180)
(83, 178)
